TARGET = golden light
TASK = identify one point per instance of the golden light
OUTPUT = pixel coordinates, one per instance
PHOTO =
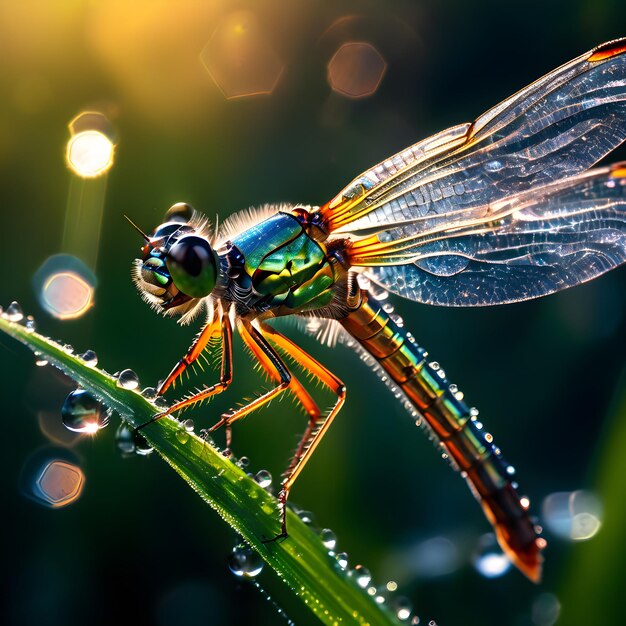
(60, 483)
(90, 153)
(66, 295)
(356, 70)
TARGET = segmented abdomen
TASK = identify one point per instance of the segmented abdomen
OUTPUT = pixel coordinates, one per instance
(441, 406)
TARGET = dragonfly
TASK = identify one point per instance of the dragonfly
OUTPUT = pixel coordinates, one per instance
(500, 210)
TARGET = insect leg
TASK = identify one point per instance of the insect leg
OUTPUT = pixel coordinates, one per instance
(226, 370)
(273, 365)
(318, 425)
(211, 329)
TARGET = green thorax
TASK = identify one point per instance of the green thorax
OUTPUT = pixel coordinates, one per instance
(285, 264)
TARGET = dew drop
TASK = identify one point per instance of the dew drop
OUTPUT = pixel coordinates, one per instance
(142, 447)
(306, 517)
(403, 608)
(362, 576)
(243, 462)
(90, 358)
(182, 436)
(161, 403)
(329, 539)
(40, 361)
(245, 562)
(264, 478)
(342, 560)
(149, 393)
(127, 379)
(124, 439)
(82, 413)
(30, 325)
(14, 312)
(188, 425)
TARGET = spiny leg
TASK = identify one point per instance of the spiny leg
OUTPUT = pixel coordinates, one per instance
(195, 350)
(272, 364)
(226, 369)
(318, 426)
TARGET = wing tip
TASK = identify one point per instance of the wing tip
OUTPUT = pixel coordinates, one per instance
(607, 50)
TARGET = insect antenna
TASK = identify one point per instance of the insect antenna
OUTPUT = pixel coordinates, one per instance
(139, 231)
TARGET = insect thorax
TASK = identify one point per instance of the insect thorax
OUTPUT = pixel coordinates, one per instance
(278, 264)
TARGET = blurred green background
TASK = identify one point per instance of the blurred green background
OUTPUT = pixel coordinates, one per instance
(548, 375)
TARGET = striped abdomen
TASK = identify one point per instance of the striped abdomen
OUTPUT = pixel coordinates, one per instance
(455, 425)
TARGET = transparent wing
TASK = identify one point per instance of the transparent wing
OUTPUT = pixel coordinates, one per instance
(535, 243)
(557, 127)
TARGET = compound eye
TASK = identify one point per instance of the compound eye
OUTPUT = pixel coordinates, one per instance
(155, 272)
(169, 228)
(192, 264)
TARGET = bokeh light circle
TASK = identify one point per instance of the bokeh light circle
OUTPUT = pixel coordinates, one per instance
(52, 477)
(573, 515)
(65, 286)
(90, 153)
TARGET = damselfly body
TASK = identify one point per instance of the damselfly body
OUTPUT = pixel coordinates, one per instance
(496, 211)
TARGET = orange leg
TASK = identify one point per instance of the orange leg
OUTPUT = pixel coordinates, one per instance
(208, 332)
(318, 425)
(226, 371)
(273, 365)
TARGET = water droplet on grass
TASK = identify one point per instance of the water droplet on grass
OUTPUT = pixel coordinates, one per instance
(362, 576)
(30, 325)
(82, 413)
(124, 439)
(40, 360)
(328, 538)
(14, 312)
(142, 447)
(127, 379)
(306, 517)
(342, 560)
(245, 562)
(149, 393)
(161, 403)
(188, 425)
(264, 478)
(403, 608)
(182, 436)
(89, 357)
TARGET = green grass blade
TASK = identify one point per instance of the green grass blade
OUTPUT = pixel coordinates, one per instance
(301, 561)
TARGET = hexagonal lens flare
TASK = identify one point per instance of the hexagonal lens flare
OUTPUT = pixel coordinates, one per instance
(356, 70)
(240, 59)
